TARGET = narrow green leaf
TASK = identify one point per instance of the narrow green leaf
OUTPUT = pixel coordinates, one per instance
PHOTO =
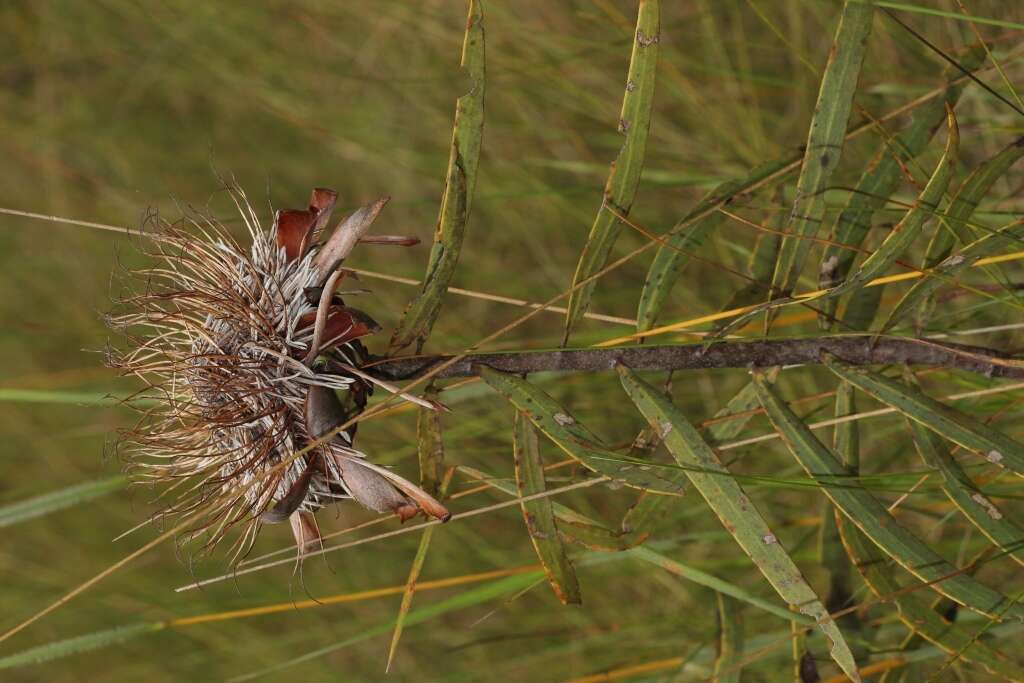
(906, 232)
(966, 201)
(421, 313)
(669, 263)
(872, 517)
(643, 517)
(572, 437)
(624, 176)
(824, 140)
(735, 510)
(538, 514)
(901, 237)
(58, 500)
(79, 644)
(881, 179)
(729, 659)
(958, 427)
(944, 267)
(917, 614)
(965, 494)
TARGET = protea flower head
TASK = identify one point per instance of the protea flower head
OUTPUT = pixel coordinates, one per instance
(249, 356)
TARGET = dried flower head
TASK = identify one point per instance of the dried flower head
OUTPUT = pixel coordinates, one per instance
(251, 361)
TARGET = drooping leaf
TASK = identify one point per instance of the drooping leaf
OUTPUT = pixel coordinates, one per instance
(872, 517)
(624, 176)
(572, 437)
(954, 425)
(735, 510)
(421, 313)
(824, 140)
(538, 514)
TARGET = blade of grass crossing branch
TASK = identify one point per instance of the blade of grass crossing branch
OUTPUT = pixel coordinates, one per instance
(421, 313)
(824, 140)
(538, 514)
(577, 441)
(624, 176)
(880, 180)
(53, 501)
(735, 510)
(872, 517)
(954, 425)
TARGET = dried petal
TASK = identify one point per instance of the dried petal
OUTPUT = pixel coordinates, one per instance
(294, 231)
(307, 534)
(345, 237)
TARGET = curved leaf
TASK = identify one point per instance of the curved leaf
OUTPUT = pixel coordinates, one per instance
(624, 176)
(881, 179)
(421, 313)
(824, 140)
(538, 514)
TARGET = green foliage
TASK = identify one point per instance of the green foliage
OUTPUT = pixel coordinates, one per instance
(111, 107)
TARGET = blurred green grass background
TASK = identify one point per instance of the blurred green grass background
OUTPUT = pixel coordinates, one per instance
(112, 107)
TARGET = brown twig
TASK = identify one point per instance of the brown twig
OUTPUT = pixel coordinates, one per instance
(857, 350)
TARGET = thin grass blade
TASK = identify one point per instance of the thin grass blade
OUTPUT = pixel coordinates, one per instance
(421, 313)
(871, 517)
(624, 176)
(54, 501)
(79, 644)
(736, 511)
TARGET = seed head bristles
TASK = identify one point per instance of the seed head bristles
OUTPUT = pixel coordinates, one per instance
(243, 354)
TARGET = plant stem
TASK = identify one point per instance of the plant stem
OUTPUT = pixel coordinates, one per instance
(856, 350)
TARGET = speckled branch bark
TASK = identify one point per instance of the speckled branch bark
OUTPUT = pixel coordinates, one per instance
(725, 354)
